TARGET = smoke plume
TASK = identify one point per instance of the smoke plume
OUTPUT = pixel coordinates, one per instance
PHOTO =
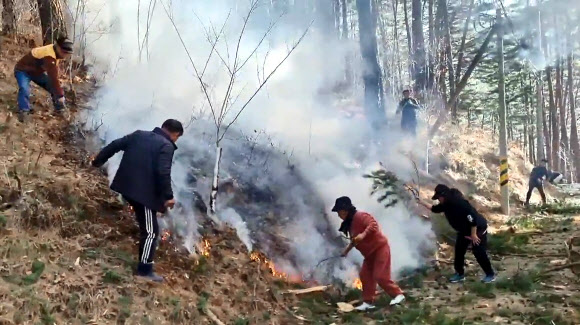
(295, 148)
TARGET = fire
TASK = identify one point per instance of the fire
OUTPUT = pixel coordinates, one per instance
(260, 258)
(205, 249)
(357, 284)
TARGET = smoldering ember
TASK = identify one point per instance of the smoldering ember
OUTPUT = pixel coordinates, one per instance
(289, 162)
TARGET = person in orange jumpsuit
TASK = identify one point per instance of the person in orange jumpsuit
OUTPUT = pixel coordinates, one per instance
(367, 238)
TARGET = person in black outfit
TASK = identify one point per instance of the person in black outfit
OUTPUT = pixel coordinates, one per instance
(408, 107)
(144, 180)
(471, 228)
(536, 180)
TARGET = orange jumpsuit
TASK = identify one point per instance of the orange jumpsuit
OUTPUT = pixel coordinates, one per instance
(374, 246)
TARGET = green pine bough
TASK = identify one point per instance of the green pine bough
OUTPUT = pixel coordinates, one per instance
(389, 187)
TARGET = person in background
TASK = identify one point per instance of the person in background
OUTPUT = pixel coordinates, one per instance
(471, 228)
(536, 180)
(40, 66)
(366, 236)
(408, 107)
(144, 180)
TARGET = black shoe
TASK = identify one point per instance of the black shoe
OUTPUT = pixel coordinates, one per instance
(23, 116)
(152, 277)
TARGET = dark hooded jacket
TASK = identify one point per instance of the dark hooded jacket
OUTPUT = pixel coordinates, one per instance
(461, 215)
(144, 175)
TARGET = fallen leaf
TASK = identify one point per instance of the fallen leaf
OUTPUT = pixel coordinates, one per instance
(343, 307)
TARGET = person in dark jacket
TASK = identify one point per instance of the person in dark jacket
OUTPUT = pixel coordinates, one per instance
(536, 180)
(408, 107)
(144, 180)
(471, 228)
(40, 66)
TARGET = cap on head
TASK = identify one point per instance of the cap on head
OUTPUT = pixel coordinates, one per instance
(173, 126)
(342, 203)
(440, 190)
(65, 45)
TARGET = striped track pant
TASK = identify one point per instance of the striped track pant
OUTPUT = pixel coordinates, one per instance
(149, 232)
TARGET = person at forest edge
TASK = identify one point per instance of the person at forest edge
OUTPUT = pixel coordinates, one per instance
(40, 66)
(366, 236)
(471, 228)
(144, 180)
(536, 180)
(408, 107)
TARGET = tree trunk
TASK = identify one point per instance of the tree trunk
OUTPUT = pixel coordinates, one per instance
(8, 18)
(547, 138)
(419, 55)
(396, 57)
(553, 123)
(431, 77)
(325, 17)
(563, 128)
(371, 72)
(463, 40)
(448, 54)
(574, 143)
(408, 29)
(461, 85)
(52, 20)
(344, 19)
(387, 74)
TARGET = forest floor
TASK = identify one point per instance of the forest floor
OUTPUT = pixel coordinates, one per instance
(67, 245)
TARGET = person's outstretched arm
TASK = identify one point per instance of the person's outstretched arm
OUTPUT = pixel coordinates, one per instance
(111, 149)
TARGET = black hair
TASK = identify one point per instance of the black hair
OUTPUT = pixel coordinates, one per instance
(351, 211)
(64, 43)
(173, 126)
(406, 91)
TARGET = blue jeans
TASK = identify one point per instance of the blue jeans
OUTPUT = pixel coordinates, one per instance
(23, 79)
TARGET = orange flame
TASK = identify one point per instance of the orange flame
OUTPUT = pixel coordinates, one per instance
(357, 284)
(261, 258)
(206, 248)
(166, 235)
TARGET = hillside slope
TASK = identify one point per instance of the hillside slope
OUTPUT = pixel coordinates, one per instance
(68, 246)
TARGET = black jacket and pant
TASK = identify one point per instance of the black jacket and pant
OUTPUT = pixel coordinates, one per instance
(537, 181)
(462, 216)
(144, 180)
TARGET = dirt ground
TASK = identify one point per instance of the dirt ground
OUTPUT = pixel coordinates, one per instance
(67, 245)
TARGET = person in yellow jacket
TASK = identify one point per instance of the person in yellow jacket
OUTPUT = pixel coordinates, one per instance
(40, 66)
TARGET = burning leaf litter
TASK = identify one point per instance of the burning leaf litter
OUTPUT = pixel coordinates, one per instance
(357, 284)
(261, 258)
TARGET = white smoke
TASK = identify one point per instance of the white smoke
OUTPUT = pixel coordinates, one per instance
(231, 217)
(296, 109)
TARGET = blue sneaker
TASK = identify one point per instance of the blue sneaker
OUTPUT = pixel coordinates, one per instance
(455, 278)
(488, 278)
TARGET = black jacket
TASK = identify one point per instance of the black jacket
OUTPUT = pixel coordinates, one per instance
(538, 173)
(462, 216)
(144, 174)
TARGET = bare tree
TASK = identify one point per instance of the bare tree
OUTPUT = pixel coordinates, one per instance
(226, 112)
(52, 20)
(372, 71)
(8, 17)
(419, 54)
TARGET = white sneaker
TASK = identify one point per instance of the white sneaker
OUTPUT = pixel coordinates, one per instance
(398, 299)
(364, 307)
